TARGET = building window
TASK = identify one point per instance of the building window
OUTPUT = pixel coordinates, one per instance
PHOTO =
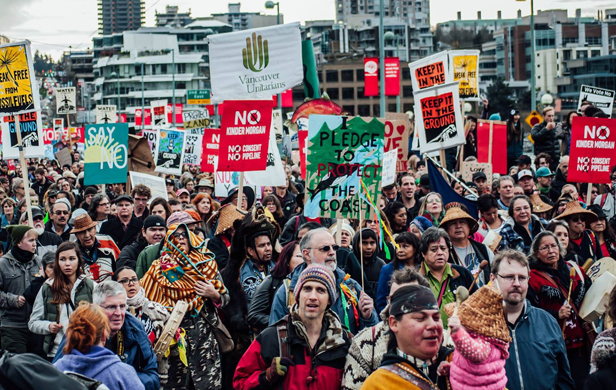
(348, 109)
(407, 91)
(179, 68)
(360, 93)
(347, 75)
(334, 93)
(348, 93)
(331, 76)
(359, 73)
(376, 110)
(363, 110)
(406, 73)
(391, 107)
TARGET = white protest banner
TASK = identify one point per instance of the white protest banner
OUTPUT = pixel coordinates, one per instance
(151, 136)
(192, 148)
(65, 101)
(31, 136)
(431, 71)
(169, 153)
(154, 183)
(256, 63)
(159, 112)
(58, 127)
(598, 97)
(226, 181)
(18, 87)
(277, 124)
(196, 119)
(438, 118)
(465, 68)
(274, 174)
(389, 167)
(468, 168)
(106, 113)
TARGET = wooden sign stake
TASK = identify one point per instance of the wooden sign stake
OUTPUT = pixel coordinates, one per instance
(24, 170)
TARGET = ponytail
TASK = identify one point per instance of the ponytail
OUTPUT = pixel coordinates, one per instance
(85, 328)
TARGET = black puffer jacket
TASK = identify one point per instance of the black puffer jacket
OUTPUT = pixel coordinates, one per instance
(130, 253)
(546, 141)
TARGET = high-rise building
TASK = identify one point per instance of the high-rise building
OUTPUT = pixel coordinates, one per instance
(116, 16)
(171, 17)
(417, 12)
(241, 20)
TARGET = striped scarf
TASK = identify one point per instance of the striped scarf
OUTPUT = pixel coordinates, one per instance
(172, 278)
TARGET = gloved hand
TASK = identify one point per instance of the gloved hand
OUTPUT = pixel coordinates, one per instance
(278, 369)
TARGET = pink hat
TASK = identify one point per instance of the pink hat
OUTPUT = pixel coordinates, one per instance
(180, 217)
(181, 191)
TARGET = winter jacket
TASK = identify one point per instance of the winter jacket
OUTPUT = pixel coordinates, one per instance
(589, 247)
(351, 316)
(66, 234)
(349, 264)
(100, 260)
(114, 228)
(138, 352)
(384, 285)
(478, 252)
(147, 257)
(15, 278)
(103, 365)
(261, 304)
(221, 251)
(537, 356)
(44, 312)
(316, 368)
(40, 189)
(130, 253)
(251, 278)
(289, 231)
(515, 148)
(288, 204)
(546, 142)
(560, 180)
(514, 236)
(604, 378)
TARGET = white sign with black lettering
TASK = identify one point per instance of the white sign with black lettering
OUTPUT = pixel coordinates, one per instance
(598, 97)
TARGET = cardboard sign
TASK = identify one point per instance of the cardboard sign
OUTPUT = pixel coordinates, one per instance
(64, 157)
(159, 113)
(438, 118)
(430, 72)
(245, 135)
(389, 167)
(498, 144)
(154, 183)
(209, 149)
(341, 151)
(274, 174)
(468, 168)
(169, 153)
(18, 88)
(598, 97)
(106, 113)
(192, 148)
(593, 141)
(371, 76)
(392, 76)
(31, 131)
(65, 101)
(194, 119)
(465, 64)
(397, 129)
(106, 155)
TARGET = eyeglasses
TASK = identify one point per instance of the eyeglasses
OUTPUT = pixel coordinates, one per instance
(512, 278)
(546, 248)
(129, 281)
(576, 218)
(60, 212)
(180, 234)
(114, 308)
(38, 218)
(327, 248)
(433, 201)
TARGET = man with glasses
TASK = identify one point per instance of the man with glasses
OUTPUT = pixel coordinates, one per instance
(59, 214)
(537, 356)
(126, 227)
(353, 306)
(142, 195)
(127, 337)
(46, 241)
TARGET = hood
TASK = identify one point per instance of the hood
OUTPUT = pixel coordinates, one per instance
(365, 233)
(91, 364)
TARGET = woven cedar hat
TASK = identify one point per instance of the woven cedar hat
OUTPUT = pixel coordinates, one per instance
(483, 313)
(539, 206)
(224, 218)
(454, 212)
(83, 223)
(573, 208)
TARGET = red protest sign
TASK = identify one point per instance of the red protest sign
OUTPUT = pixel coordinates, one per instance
(371, 77)
(244, 139)
(301, 138)
(592, 150)
(430, 75)
(498, 142)
(179, 109)
(209, 149)
(397, 128)
(392, 76)
(138, 116)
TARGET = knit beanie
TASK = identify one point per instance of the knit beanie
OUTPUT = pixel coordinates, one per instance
(422, 223)
(17, 232)
(317, 273)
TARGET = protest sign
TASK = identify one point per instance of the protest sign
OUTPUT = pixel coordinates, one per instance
(465, 65)
(209, 150)
(196, 119)
(192, 148)
(64, 157)
(468, 168)
(106, 113)
(397, 128)
(169, 153)
(18, 89)
(31, 131)
(430, 71)
(593, 142)
(58, 127)
(392, 76)
(255, 63)
(179, 112)
(492, 148)
(151, 136)
(438, 118)
(226, 181)
(49, 136)
(598, 97)
(65, 101)
(341, 151)
(274, 174)
(371, 76)
(106, 155)
(277, 124)
(159, 112)
(245, 135)
(154, 183)
(141, 120)
(389, 167)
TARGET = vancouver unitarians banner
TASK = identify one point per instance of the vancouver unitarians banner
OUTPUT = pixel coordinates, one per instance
(255, 64)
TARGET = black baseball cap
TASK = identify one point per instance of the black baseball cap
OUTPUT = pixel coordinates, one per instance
(154, 221)
(524, 159)
(479, 175)
(124, 197)
(424, 182)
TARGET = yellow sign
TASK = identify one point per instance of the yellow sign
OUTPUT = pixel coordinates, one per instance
(465, 70)
(18, 92)
(533, 119)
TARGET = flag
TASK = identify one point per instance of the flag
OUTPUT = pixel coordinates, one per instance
(438, 184)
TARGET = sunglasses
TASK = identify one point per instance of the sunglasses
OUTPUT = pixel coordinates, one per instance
(180, 235)
(577, 218)
(327, 248)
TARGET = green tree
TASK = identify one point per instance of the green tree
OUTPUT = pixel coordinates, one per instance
(524, 101)
(499, 94)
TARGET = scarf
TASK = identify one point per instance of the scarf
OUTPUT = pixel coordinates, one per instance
(138, 300)
(172, 277)
(334, 334)
(21, 255)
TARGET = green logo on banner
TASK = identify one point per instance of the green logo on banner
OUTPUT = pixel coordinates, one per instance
(255, 55)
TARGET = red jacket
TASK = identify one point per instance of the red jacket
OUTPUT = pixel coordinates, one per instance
(320, 372)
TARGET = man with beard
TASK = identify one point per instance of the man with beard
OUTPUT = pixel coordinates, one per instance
(259, 263)
(124, 229)
(390, 192)
(41, 185)
(353, 306)
(560, 179)
(59, 215)
(141, 194)
(183, 196)
(407, 196)
(152, 233)
(537, 356)
(47, 241)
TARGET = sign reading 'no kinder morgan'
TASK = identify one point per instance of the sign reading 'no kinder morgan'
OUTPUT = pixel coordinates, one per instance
(255, 64)
(593, 141)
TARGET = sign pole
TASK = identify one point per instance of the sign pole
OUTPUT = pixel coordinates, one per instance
(240, 192)
(361, 252)
(339, 231)
(24, 170)
(491, 137)
(588, 193)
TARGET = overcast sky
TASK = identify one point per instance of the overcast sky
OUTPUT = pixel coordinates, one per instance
(54, 25)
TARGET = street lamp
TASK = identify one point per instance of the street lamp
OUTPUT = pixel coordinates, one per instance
(173, 85)
(271, 5)
(142, 95)
(546, 99)
(117, 77)
(389, 35)
(532, 55)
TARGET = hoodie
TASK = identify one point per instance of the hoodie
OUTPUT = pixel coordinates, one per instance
(373, 265)
(102, 365)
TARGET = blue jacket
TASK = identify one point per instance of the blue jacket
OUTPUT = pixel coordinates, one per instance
(138, 352)
(382, 289)
(537, 354)
(251, 278)
(280, 308)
